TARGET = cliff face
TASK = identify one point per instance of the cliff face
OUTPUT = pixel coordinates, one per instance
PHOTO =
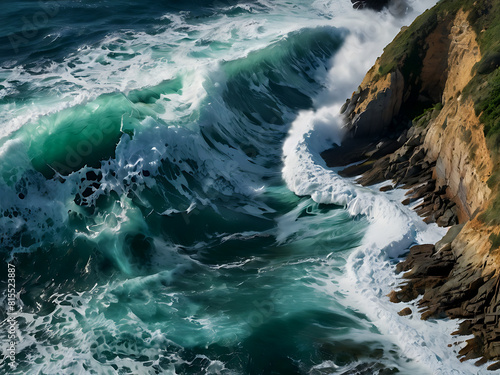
(451, 136)
(455, 138)
(415, 120)
(372, 108)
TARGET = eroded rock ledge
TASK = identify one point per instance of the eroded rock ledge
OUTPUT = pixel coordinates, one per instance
(441, 155)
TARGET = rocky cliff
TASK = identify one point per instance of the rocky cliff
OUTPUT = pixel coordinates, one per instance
(425, 118)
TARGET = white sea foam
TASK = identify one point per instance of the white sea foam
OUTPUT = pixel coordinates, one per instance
(124, 61)
(393, 228)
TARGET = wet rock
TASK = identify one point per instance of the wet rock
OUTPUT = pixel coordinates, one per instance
(403, 137)
(380, 111)
(422, 191)
(351, 151)
(417, 253)
(445, 243)
(393, 297)
(425, 271)
(401, 155)
(371, 4)
(375, 174)
(445, 219)
(414, 141)
(344, 106)
(417, 156)
(405, 312)
(495, 366)
(355, 170)
(412, 171)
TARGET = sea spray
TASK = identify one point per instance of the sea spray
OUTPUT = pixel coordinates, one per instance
(393, 229)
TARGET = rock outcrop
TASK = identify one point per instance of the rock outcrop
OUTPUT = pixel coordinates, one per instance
(441, 154)
(372, 4)
(371, 109)
(396, 7)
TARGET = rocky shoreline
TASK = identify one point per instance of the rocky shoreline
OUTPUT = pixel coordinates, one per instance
(403, 161)
(449, 288)
(409, 124)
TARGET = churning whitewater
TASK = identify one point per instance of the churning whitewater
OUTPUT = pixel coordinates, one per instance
(164, 202)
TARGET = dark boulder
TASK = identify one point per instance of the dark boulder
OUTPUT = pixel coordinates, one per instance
(405, 312)
(372, 4)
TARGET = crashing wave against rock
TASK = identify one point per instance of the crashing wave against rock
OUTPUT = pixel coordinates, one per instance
(414, 120)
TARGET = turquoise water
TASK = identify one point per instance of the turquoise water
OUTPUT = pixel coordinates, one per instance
(147, 199)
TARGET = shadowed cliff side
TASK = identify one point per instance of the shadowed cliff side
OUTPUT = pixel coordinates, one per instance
(425, 118)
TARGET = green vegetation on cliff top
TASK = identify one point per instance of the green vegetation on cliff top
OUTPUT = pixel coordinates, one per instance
(407, 49)
(407, 52)
(484, 90)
